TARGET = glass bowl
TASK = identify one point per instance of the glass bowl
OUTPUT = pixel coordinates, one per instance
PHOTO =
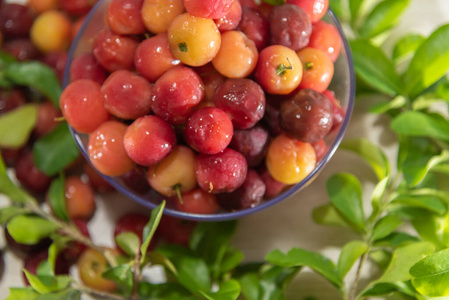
(343, 85)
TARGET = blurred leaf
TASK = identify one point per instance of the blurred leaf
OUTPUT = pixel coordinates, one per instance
(250, 284)
(396, 239)
(164, 291)
(395, 103)
(416, 123)
(328, 215)
(375, 68)
(432, 204)
(371, 153)
(227, 290)
(385, 227)
(16, 126)
(55, 151)
(300, 257)
(37, 75)
(430, 62)
(406, 46)
(150, 228)
(387, 288)
(345, 192)
(10, 189)
(381, 258)
(192, 271)
(350, 253)
(231, 259)
(377, 197)
(337, 8)
(403, 258)
(26, 293)
(56, 198)
(210, 241)
(354, 8)
(30, 229)
(382, 17)
(47, 284)
(129, 242)
(68, 294)
(431, 275)
(123, 276)
(9, 212)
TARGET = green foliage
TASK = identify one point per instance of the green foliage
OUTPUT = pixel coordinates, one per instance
(17, 125)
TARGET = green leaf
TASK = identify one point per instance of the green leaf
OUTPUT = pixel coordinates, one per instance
(354, 8)
(375, 68)
(274, 280)
(56, 198)
(431, 274)
(387, 288)
(403, 258)
(192, 271)
(17, 125)
(406, 46)
(328, 215)
(430, 203)
(227, 290)
(385, 226)
(250, 284)
(430, 62)
(22, 294)
(123, 276)
(150, 228)
(377, 197)
(301, 257)
(383, 107)
(345, 192)
(9, 212)
(210, 240)
(164, 291)
(382, 17)
(30, 229)
(128, 242)
(47, 284)
(231, 259)
(11, 190)
(414, 123)
(350, 253)
(37, 75)
(337, 8)
(396, 239)
(68, 294)
(55, 151)
(371, 153)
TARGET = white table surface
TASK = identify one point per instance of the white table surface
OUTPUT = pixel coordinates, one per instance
(288, 224)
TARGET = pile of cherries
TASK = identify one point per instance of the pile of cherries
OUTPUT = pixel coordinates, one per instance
(214, 104)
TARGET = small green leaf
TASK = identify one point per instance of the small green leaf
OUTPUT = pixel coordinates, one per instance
(210, 240)
(128, 242)
(192, 271)
(56, 198)
(387, 288)
(231, 259)
(371, 153)
(337, 8)
(11, 190)
(375, 68)
(403, 258)
(354, 8)
(328, 215)
(301, 257)
(250, 286)
(350, 253)
(430, 203)
(169, 291)
(406, 46)
(377, 197)
(123, 276)
(382, 17)
(414, 123)
(150, 228)
(227, 290)
(17, 125)
(396, 103)
(345, 192)
(9, 212)
(47, 284)
(37, 75)
(385, 226)
(30, 229)
(430, 62)
(68, 294)
(431, 275)
(22, 294)
(396, 239)
(55, 151)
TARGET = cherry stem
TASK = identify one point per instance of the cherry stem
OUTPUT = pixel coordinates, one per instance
(281, 68)
(177, 189)
(183, 47)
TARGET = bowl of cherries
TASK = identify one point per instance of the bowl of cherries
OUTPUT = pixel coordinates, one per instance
(222, 108)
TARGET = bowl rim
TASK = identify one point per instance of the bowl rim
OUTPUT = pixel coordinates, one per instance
(224, 216)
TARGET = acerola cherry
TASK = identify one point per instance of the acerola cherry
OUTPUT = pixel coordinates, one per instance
(131, 222)
(197, 201)
(124, 17)
(210, 9)
(209, 130)
(91, 266)
(289, 160)
(318, 69)
(106, 149)
(326, 37)
(255, 26)
(158, 14)
(126, 95)
(252, 143)
(223, 172)
(231, 20)
(79, 198)
(316, 9)
(85, 66)
(148, 140)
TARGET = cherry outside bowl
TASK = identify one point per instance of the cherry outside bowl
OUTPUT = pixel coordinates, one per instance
(343, 84)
